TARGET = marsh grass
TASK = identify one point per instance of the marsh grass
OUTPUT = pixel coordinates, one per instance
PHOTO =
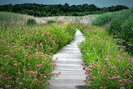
(87, 20)
(25, 54)
(107, 66)
(31, 21)
(8, 19)
(120, 25)
(109, 16)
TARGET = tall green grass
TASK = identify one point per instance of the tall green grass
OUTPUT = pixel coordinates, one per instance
(8, 19)
(107, 66)
(104, 18)
(120, 26)
(108, 17)
(31, 21)
(25, 54)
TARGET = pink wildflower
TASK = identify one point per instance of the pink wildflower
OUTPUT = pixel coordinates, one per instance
(6, 56)
(37, 80)
(118, 77)
(129, 81)
(84, 68)
(109, 78)
(87, 70)
(39, 65)
(30, 56)
(43, 62)
(11, 51)
(6, 78)
(0, 75)
(8, 86)
(11, 58)
(122, 87)
(131, 60)
(20, 83)
(127, 72)
(31, 72)
(23, 79)
(89, 82)
(119, 57)
(87, 78)
(106, 59)
(114, 77)
(90, 66)
(15, 64)
(54, 64)
(119, 81)
(101, 87)
(121, 50)
(97, 62)
(125, 80)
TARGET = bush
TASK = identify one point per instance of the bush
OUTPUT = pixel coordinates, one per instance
(31, 21)
(50, 21)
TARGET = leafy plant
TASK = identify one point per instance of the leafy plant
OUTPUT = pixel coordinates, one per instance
(50, 21)
(31, 21)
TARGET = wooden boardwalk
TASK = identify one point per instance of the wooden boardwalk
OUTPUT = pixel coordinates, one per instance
(69, 64)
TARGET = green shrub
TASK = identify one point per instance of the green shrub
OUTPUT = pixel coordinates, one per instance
(50, 21)
(31, 21)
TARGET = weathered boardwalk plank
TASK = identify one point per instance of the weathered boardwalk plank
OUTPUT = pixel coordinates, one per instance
(69, 64)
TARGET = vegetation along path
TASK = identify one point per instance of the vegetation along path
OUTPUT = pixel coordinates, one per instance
(69, 66)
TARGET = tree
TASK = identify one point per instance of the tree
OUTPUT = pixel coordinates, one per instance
(120, 7)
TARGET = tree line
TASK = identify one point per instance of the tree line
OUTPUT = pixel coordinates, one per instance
(58, 10)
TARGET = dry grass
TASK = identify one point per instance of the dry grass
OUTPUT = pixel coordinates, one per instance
(74, 19)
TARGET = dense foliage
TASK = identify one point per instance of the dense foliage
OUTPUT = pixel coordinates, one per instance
(57, 10)
(107, 66)
(25, 52)
(120, 25)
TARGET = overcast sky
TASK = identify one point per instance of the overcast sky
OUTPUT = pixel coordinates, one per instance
(100, 3)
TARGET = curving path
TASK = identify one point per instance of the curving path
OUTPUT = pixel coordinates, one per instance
(69, 65)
